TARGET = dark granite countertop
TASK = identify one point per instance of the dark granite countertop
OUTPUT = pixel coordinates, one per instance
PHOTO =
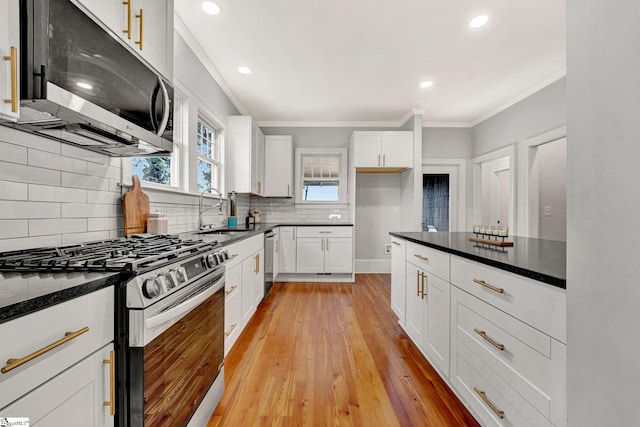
(538, 259)
(25, 293)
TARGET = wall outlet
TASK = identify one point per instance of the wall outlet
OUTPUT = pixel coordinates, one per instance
(387, 248)
(547, 211)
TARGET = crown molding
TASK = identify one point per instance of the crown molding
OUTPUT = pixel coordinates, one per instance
(340, 124)
(447, 124)
(182, 29)
(533, 89)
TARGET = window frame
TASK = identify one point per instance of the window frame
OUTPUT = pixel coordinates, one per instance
(342, 175)
(218, 159)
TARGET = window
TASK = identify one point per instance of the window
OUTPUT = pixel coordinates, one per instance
(208, 161)
(321, 174)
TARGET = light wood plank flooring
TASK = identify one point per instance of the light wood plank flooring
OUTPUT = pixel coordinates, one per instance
(320, 354)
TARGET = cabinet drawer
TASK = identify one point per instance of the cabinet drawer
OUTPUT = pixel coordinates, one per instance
(325, 231)
(240, 250)
(232, 324)
(428, 259)
(28, 334)
(540, 305)
(516, 352)
(233, 281)
(471, 376)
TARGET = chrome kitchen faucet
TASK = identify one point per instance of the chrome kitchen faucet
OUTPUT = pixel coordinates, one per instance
(201, 209)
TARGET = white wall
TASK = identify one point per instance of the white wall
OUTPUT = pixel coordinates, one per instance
(446, 143)
(552, 163)
(603, 101)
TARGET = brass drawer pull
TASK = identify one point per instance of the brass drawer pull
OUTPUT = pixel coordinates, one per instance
(257, 258)
(68, 336)
(396, 243)
(233, 326)
(324, 232)
(233, 288)
(488, 286)
(424, 258)
(141, 18)
(112, 384)
(128, 30)
(483, 396)
(483, 334)
(13, 58)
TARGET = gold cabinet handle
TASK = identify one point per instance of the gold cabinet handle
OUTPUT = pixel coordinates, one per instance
(128, 30)
(233, 288)
(277, 241)
(259, 187)
(483, 396)
(483, 334)
(384, 160)
(112, 384)
(424, 258)
(257, 258)
(288, 189)
(233, 326)
(418, 282)
(424, 276)
(13, 58)
(378, 159)
(326, 244)
(396, 243)
(322, 244)
(141, 18)
(488, 286)
(68, 336)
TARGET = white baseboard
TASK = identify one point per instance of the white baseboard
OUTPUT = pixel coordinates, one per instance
(373, 266)
(301, 277)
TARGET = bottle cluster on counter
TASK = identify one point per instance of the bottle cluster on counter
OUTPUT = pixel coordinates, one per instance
(491, 230)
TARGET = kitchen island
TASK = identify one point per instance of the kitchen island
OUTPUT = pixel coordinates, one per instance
(491, 320)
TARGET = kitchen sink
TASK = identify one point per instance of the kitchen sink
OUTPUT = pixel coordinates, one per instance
(226, 231)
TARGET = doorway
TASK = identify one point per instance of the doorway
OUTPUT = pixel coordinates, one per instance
(435, 202)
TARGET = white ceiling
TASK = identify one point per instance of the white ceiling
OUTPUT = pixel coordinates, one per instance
(363, 60)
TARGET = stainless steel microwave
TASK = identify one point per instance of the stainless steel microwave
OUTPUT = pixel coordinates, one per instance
(81, 85)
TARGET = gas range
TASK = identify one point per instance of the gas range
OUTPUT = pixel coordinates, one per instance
(135, 254)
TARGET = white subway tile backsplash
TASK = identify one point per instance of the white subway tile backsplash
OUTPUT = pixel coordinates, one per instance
(28, 210)
(13, 228)
(69, 239)
(29, 242)
(85, 210)
(54, 161)
(105, 197)
(75, 180)
(13, 153)
(82, 154)
(45, 193)
(22, 173)
(103, 171)
(41, 227)
(25, 139)
(103, 224)
(13, 191)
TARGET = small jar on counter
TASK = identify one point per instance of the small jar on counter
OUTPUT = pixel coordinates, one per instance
(157, 223)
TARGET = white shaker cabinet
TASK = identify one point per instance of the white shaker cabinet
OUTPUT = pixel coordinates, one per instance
(324, 250)
(278, 166)
(287, 250)
(146, 26)
(398, 270)
(383, 149)
(252, 284)
(245, 156)
(10, 55)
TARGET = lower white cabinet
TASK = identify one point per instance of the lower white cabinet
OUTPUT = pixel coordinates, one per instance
(80, 396)
(398, 272)
(324, 250)
(244, 286)
(287, 248)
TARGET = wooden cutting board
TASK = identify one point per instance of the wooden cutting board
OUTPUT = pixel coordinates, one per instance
(136, 209)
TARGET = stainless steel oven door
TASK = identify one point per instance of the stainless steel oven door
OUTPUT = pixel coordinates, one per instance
(176, 352)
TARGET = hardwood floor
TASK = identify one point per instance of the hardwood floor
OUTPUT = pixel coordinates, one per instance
(319, 354)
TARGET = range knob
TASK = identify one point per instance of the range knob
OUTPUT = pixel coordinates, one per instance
(225, 255)
(181, 275)
(171, 279)
(211, 260)
(152, 287)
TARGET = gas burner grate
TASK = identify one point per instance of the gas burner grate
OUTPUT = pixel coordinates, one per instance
(123, 254)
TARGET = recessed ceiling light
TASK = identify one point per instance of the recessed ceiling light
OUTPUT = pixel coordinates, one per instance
(210, 7)
(84, 85)
(426, 83)
(478, 21)
(244, 70)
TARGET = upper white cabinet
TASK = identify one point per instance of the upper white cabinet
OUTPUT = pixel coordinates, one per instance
(382, 149)
(245, 156)
(146, 26)
(278, 166)
(9, 53)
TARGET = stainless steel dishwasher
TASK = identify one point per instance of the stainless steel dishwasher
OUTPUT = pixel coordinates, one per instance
(270, 259)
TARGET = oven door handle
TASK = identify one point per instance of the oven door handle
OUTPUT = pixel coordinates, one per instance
(184, 307)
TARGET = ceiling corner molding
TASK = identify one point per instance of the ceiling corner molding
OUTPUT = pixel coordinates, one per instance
(325, 124)
(544, 83)
(193, 44)
(447, 124)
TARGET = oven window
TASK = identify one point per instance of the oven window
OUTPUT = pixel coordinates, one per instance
(181, 364)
